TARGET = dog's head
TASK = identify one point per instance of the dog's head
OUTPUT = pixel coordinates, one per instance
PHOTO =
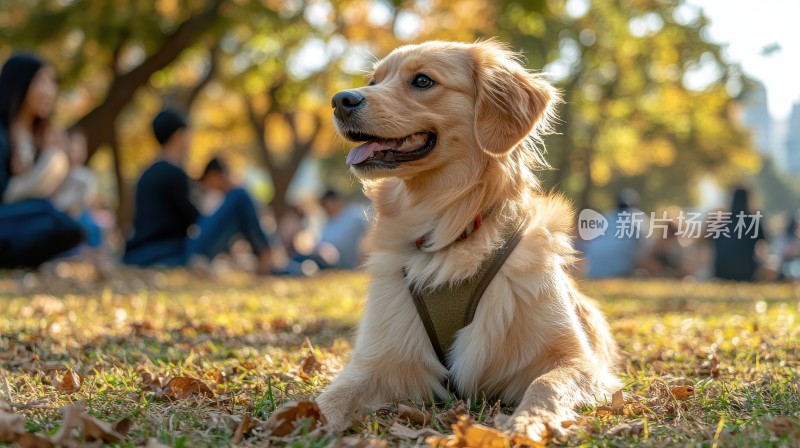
(429, 104)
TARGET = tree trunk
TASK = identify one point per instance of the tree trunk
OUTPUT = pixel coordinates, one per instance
(283, 173)
(280, 181)
(124, 205)
(584, 199)
(562, 165)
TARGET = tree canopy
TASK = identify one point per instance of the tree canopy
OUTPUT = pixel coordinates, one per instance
(649, 101)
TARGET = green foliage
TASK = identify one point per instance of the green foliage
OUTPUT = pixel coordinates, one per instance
(778, 192)
(634, 115)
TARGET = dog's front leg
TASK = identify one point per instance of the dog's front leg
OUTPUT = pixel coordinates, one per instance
(350, 390)
(551, 399)
(393, 358)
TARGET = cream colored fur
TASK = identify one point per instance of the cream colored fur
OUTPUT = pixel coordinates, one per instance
(536, 341)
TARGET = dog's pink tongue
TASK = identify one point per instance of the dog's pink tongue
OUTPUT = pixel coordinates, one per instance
(362, 152)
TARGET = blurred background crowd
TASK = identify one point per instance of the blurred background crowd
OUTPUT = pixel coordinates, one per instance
(113, 112)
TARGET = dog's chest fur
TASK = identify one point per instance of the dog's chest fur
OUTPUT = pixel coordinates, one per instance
(486, 357)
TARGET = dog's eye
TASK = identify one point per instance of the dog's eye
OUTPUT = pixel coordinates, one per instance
(422, 81)
(371, 82)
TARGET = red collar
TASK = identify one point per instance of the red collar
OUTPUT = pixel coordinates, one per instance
(473, 226)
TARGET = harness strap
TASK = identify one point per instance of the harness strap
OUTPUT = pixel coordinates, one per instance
(494, 268)
(487, 275)
(422, 310)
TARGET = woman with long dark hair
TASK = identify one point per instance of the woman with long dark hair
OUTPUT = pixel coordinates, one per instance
(32, 166)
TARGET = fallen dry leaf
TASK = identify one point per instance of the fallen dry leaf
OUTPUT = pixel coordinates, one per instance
(357, 442)
(603, 411)
(30, 440)
(152, 382)
(310, 364)
(682, 392)
(12, 429)
(582, 421)
(11, 425)
(618, 402)
(18, 354)
(95, 429)
(453, 415)
(247, 425)
(400, 430)
(181, 387)
(154, 443)
(284, 420)
(70, 383)
(70, 421)
(783, 426)
(620, 406)
(627, 429)
(710, 367)
(229, 421)
(218, 376)
(279, 325)
(413, 415)
(468, 434)
(142, 328)
(123, 426)
(245, 367)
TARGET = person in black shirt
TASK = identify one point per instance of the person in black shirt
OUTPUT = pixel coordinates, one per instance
(735, 248)
(165, 214)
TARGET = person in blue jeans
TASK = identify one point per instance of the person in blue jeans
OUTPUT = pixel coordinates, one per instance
(168, 230)
(32, 166)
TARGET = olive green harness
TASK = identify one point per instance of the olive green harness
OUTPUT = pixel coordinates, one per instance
(448, 308)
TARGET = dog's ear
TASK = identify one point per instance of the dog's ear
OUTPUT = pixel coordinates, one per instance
(511, 102)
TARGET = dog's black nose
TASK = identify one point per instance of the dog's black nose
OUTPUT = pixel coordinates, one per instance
(345, 103)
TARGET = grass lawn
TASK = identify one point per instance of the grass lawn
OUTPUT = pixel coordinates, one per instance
(707, 364)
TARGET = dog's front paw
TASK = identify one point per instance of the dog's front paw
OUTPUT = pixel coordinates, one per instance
(536, 427)
(338, 420)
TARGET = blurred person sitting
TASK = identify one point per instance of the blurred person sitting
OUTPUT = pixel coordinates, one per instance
(664, 256)
(33, 164)
(339, 243)
(299, 241)
(344, 229)
(164, 212)
(293, 232)
(215, 182)
(611, 254)
(787, 248)
(79, 188)
(737, 253)
(76, 195)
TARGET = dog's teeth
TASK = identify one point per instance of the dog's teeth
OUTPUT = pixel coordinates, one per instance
(413, 140)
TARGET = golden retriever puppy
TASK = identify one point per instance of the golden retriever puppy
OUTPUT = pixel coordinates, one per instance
(450, 134)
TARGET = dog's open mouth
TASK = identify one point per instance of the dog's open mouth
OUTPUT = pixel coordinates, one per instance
(389, 152)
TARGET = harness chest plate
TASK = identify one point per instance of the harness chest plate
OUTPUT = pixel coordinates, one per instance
(448, 308)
